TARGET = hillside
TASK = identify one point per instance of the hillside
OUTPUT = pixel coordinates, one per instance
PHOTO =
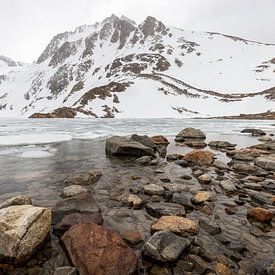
(118, 68)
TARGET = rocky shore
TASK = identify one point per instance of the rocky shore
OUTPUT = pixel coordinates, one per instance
(165, 213)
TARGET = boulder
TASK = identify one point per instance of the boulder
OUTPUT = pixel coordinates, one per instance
(73, 190)
(182, 199)
(144, 140)
(164, 209)
(127, 147)
(220, 165)
(76, 218)
(87, 178)
(253, 132)
(260, 215)
(266, 162)
(178, 225)
(82, 203)
(209, 226)
(95, 250)
(23, 228)
(245, 169)
(165, 246)
(18, 200)
(222, 269)
(200, 157)
(189, 133)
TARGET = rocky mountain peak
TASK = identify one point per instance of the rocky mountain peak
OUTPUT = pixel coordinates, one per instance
(151, 26)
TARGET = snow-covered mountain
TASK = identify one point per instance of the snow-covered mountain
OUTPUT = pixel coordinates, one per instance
(117, 68)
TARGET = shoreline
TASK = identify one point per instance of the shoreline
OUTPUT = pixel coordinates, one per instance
(132, 196)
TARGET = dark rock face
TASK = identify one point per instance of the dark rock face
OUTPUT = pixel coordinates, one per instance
(66, 50)
(83, 203)
(95, 250)
(165, 246)
(127, 147)
(151, 26)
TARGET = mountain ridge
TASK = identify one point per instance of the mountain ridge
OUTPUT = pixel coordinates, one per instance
(114, 65)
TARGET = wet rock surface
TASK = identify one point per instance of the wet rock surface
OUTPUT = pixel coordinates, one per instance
(211, 214)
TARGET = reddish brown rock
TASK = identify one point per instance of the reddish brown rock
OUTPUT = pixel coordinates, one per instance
(160, 140)
(76, 218)
(95, 250)
(200, 157)
(259, 214)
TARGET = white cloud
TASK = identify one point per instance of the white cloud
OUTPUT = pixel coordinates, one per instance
(28, 26)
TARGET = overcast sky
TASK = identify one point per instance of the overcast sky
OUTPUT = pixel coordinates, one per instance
(27, 26)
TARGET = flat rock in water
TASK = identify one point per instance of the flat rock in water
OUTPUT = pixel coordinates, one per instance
(18, 200)
(95, 250)
(86, 178)
(127, 147)
(23, 228)
(253, 132)
(190, 133)
(153, 189)
(83, 203)
(73, 190)
(221, 144)
(145, 160)
(164, 209)
(178, 225)
(165, 246)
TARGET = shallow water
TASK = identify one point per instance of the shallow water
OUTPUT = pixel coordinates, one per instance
(36, 156)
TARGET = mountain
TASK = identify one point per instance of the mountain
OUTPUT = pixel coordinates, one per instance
(118, 68)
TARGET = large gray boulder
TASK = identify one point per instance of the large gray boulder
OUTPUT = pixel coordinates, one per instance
(127, 147)
(190, 133)
(23, 228)
(253, 132)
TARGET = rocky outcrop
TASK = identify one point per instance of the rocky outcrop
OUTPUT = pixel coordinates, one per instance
(23, 229)
(64, 112)
(253, 132)
(95, 250)
(127, 147)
